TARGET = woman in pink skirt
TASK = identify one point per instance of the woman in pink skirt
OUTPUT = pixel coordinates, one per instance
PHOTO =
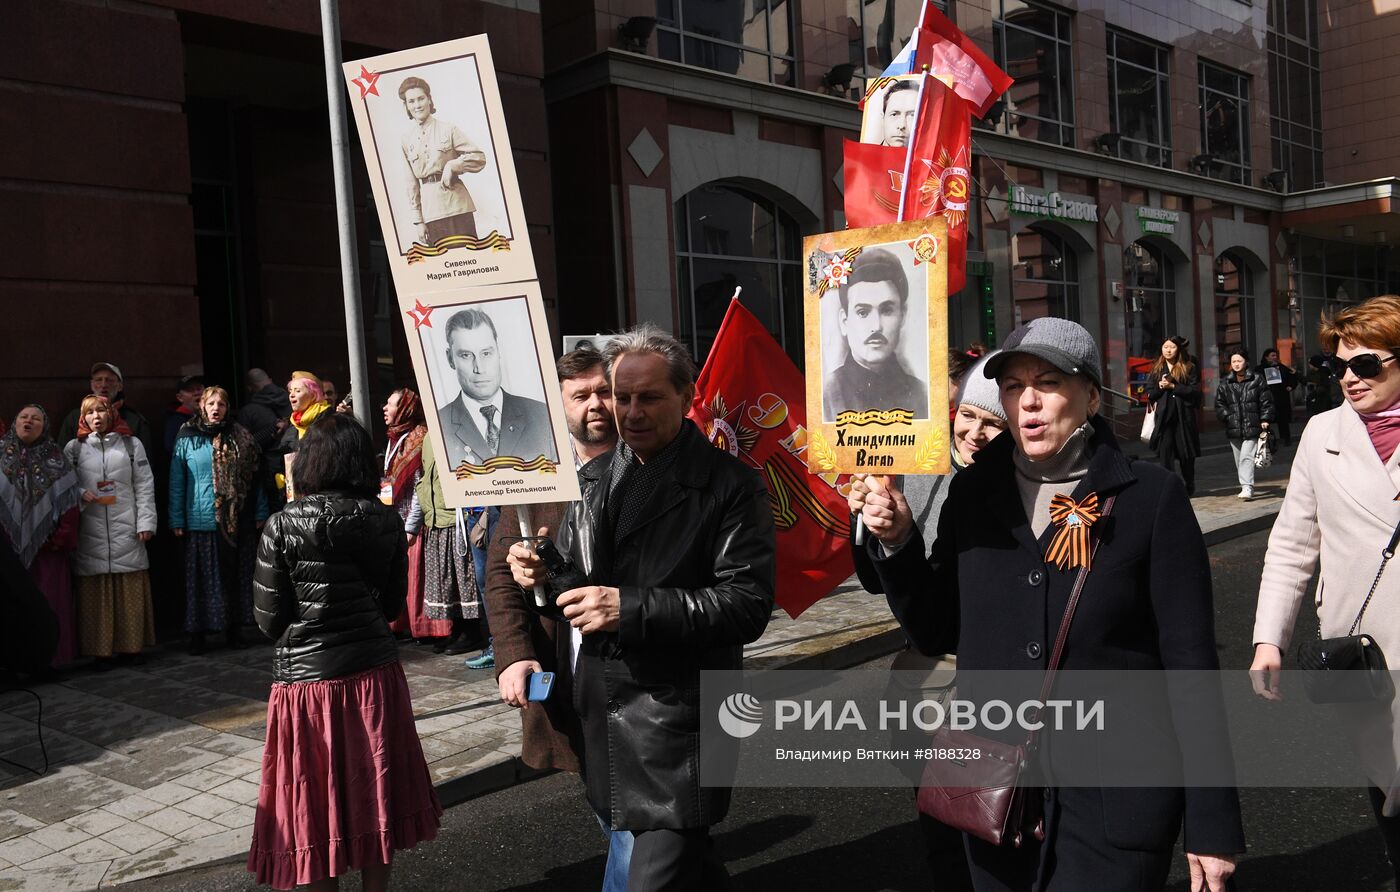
(344, 782)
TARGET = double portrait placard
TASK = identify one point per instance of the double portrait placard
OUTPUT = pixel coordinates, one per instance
(876, 308)
(439, 160)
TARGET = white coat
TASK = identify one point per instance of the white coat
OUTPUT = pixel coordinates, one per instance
(1340, 507)
(108, 535)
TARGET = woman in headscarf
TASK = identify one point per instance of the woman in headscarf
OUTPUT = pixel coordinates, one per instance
(118, 519)
(39, 500)
(403, 468)
(308, 404)
(216, 508)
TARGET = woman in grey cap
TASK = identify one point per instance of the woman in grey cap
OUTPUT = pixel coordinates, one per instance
(996, 586)
(978, 418)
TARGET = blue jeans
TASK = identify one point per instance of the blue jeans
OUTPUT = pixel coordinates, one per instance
(479, 557)
(619, 858)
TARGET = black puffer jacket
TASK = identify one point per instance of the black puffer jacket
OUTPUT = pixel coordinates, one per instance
(1242, 405)
(332, 569)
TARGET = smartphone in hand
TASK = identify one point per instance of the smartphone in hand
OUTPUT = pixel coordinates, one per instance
(538, 686)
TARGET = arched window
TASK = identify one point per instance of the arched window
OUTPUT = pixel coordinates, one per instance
(1234, 305)
(1046, 276)
(729, 236)
(1151, 298)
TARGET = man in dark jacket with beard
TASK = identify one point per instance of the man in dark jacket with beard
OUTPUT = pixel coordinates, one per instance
(676, 540)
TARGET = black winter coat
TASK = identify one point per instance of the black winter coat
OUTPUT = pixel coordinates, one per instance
(1176, 415)
(332, 571)
(1242, 405)
(696, 578)
(986, 593)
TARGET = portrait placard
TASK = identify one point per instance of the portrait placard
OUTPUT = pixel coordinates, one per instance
(435, 145)
(876, 310)
(491, 397)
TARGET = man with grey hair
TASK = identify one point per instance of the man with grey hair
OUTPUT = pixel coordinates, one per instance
(675, 540)
(486, 420)
(265, 417)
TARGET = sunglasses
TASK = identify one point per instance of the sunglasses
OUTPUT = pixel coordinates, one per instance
(1364, 365)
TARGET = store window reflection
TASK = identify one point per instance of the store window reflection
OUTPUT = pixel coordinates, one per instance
(750, 38)
(1234, 306)
(1045, 280)
(1150, 294)
(728, 236)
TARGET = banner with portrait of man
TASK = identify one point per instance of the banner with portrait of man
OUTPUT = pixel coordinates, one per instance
(491, 396)
(876, 308)
(439, 160)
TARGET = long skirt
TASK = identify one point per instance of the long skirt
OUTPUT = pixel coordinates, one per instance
(114, 613)
(414, 620)
(449, 589)
(218, 581)
(344, 781)
(51, 574)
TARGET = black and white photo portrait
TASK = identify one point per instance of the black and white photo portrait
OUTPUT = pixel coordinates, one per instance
(487, 383)
(875, 336)
(433, 137)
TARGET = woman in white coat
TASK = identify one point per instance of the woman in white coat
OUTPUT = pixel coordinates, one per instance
(118, 518)
(1340, 507)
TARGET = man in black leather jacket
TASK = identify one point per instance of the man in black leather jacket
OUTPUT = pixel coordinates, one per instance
(676, 539)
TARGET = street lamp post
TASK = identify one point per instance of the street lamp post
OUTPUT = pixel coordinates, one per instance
(345, 212)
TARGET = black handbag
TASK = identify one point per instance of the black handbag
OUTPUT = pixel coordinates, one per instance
(1352, 668)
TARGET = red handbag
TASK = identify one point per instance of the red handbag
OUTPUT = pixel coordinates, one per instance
(974, 783)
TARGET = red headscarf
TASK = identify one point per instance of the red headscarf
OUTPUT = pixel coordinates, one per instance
(119, 424)
(406, 423)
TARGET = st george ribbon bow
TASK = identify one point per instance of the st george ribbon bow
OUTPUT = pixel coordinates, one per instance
(1070, 547)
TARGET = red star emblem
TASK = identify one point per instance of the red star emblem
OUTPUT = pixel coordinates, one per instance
(368, 82)
(420, 315)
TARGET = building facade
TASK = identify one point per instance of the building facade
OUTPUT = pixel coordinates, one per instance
(1218, 169)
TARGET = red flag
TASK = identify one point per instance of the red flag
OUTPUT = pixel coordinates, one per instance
(874, 176)
(946, 50)
(751, 401)
(940, 169)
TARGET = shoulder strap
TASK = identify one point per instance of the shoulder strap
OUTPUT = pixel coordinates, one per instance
(1057, 651)
(130, 453)
(1386, 554)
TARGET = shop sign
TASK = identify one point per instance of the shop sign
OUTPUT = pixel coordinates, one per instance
(1028, 203)
(1158, 221)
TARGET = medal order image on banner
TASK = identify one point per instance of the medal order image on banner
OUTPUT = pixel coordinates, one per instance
(877, 349)
(439, 161)
(488, 382)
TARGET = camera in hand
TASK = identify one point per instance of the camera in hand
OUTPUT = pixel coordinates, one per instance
(561, 576)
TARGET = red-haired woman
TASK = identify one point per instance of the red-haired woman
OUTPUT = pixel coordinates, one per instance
(1339, 509)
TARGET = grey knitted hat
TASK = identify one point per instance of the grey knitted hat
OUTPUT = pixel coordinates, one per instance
(1066, 345)
(980, 391)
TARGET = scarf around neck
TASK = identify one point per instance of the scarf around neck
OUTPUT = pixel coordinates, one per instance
(37, 487)
(406, 431)
(235, 462)
(1383, 428)
(302, 420)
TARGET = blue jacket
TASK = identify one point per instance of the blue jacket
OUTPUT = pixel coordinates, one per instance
(192, 487)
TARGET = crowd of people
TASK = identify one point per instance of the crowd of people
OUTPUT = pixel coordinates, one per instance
(113, 521)
(289, 517)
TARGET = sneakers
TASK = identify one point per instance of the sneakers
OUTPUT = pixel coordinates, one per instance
(1246, 493)
(484, 660)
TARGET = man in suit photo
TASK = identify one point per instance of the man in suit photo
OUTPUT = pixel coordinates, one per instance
(486, 420)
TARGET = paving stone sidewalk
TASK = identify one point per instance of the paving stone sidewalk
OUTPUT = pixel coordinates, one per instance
(154, 769)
